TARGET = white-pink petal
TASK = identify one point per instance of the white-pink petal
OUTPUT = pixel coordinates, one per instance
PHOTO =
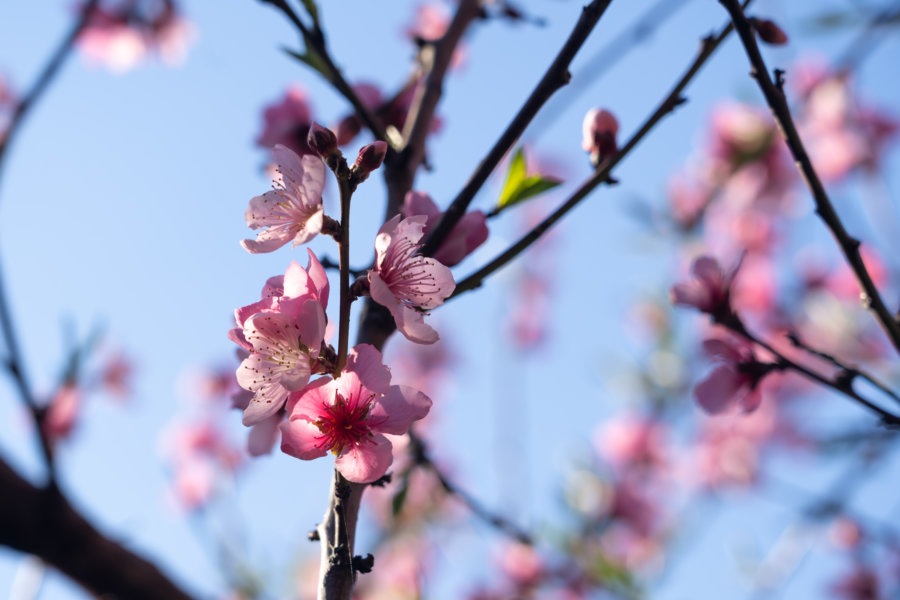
(396, 411)
(367, 461)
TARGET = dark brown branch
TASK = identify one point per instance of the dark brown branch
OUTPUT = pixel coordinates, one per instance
(601, 175)
(556, 76)
(782, 114)
(842, 385)
(40, 521)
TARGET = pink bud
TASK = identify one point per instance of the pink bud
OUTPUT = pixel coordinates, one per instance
(321, 140)
(370, 157)
(599, 134)
(769, 32)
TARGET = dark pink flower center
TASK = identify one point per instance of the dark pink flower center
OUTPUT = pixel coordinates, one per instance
(407, 274)
(344, 423)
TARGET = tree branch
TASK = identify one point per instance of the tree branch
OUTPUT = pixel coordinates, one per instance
(40, 521)
(782, 114)
(556, 76)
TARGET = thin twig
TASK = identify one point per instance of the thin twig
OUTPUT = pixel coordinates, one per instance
(14, 359)
(782, 114)
(845, 368)
(420, 452)
(842, 385)
(315, 41)
(669, 103)
(556, 76)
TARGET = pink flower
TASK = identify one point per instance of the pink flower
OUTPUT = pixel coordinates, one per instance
(287, 122)
(470, 232)
(632, 441)
(735, 381)
(599, 131)
(120, 36)
(283, 333)
(710, 289)
(349, 416)
(405, 281)
(62, 413)
(292, 210)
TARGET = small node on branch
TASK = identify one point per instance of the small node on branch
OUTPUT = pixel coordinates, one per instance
(331, 227)
(779, 80)
(363, 564)
(382, 481)
(313, 535)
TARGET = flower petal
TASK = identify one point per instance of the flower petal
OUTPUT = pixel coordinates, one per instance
(300, 438)
(396, 411)
(365, 360)
(367, 461)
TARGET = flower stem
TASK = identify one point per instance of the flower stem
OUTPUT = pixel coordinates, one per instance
(344, 250)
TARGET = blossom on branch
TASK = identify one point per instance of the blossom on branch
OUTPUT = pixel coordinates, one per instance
(292, 210)
(349, 416)
(470, 232)
(120, 36)
(283, 334)
(710, 289)
(404, 281)
(735, 381)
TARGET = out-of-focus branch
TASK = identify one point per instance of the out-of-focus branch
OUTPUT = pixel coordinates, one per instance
(422, 458)
(44, 79)
(315, 41)
(601, 175)
(40, 521)
(556, 76)
(775, 98)
(13, 360)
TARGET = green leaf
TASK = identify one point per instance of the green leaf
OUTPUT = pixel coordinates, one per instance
(519, 186)
(312, 59)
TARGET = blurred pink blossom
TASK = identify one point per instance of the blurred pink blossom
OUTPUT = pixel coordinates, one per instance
(121, 35)
(470, 232)
(734, 381)
(598, 131)
(287, 122)
(62, 412)
(709, 290)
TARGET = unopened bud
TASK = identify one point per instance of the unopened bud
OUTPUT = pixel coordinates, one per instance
(599, 134)
(769, 32)
(370, 158)
(322, 141)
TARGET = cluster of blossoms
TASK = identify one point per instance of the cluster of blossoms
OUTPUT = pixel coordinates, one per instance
(350, 409)
(120, 35)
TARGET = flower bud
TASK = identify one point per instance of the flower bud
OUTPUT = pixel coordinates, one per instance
(769, 32)
(370, 158)
(599, 134)
(322, 141)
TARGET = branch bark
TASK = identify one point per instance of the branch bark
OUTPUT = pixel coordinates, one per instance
(42, 522)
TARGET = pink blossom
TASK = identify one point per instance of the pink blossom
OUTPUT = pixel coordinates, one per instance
(735, 381)
(285, 293)
(116, 375)
(199, 454)
(709, 290)
(430, 25)
(287, 122)
(122, 35)
(349, 416)
(8, 103)
(62, 413)
(521, 563)
(292, 210)
(599, 131)
(405, 281)
(469, 232)
(283, 333)
(350, 126)
(632, 441)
